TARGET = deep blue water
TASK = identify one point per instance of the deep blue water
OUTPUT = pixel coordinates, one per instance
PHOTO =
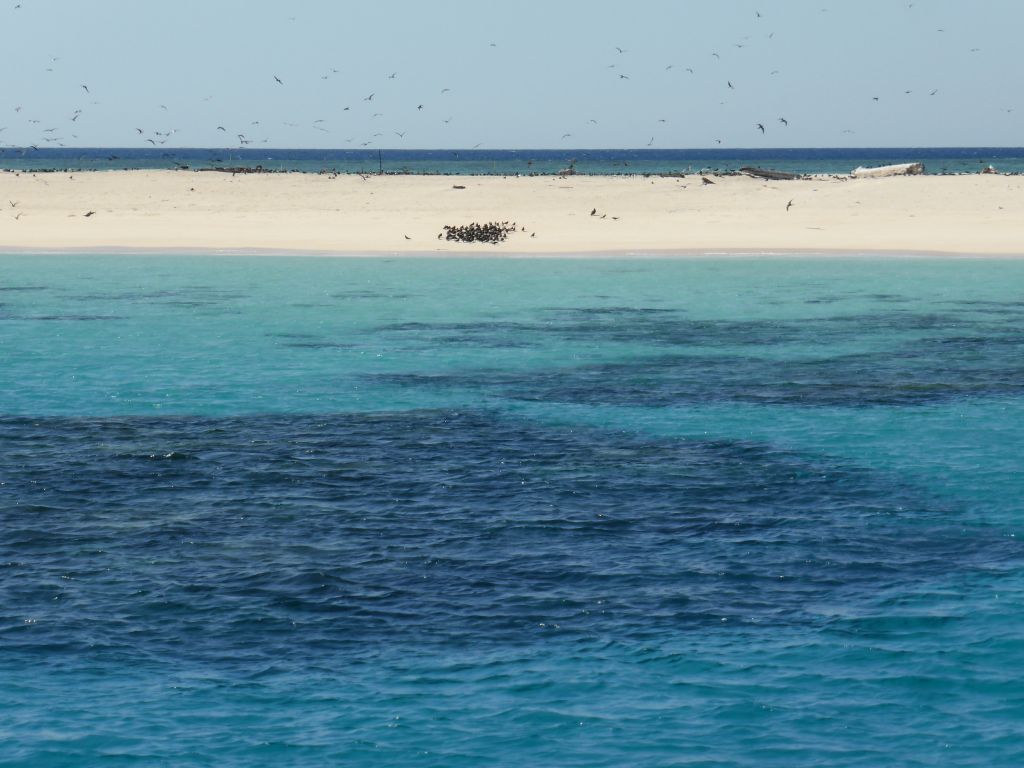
(717, 512)
(511, 162)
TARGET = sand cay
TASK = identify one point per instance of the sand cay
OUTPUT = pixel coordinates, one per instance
(212, 211)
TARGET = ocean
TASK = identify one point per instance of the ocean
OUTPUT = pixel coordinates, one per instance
(511, 162)
(723, 511)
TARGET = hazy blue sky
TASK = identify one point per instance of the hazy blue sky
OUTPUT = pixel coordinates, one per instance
(523, 74)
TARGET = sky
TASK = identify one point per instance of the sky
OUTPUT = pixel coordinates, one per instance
(444, 74)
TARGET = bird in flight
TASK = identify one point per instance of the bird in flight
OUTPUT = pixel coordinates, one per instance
(760, 127)
(729, 83)
(278, 79)
(784, 121)
(86, 87)
(621, 50)
(370, 97)
(789, 205)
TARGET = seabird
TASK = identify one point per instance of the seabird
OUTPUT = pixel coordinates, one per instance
(86, 87)
(370, 97)
(760, 127)
(593, 212)
(789, 205)
(89, 213)
(729, 83)
(784, 121)
(278, 79)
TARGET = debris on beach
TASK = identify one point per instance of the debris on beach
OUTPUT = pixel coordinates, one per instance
(493, 232)
(902, 169)
(765, 173)
(238, 169)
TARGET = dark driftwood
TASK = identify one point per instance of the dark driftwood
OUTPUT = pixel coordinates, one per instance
(764, 173)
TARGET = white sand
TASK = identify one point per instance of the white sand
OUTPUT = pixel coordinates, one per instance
(173, 210)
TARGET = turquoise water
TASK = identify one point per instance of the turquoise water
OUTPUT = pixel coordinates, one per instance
(453, 512)
(513, 162)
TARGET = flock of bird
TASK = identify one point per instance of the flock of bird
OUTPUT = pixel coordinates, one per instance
(437, 106)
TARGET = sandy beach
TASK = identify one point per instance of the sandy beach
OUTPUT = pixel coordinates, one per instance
(351, 214)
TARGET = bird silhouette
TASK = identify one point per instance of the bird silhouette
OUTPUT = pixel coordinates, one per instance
(760, 127)
(278, 79)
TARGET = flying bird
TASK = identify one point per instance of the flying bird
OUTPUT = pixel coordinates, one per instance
(760, 127)
(278, 79)
(86, 87)
(789, 205)
(784, 121)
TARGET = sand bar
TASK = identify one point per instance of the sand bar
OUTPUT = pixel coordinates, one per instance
(212, 211)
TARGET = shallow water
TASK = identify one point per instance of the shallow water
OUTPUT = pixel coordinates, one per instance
(300, 511)
(515, 161)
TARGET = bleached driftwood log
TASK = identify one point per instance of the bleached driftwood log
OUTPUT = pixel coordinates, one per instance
(903, 169)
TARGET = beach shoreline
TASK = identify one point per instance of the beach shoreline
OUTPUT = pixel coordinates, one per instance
(184, 211)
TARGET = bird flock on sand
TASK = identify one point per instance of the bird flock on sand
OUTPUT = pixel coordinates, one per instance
(736, 67)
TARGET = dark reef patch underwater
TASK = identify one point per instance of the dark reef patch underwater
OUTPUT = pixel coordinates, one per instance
(732, 512)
